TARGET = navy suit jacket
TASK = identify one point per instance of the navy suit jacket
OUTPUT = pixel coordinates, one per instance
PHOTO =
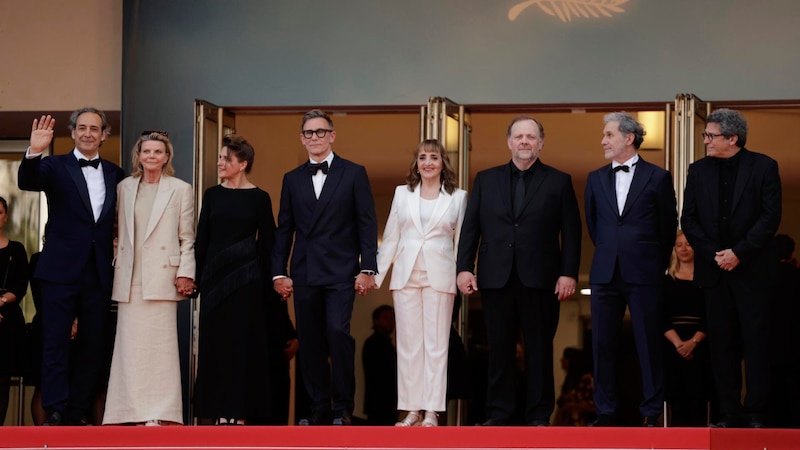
(755, 216)
(543, 241)
(335, 236)
(73, 236)
(639, 240)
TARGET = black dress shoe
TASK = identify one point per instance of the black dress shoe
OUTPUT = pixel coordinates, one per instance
(78, 421)
(603, 420)
(492, 423)
(53, 419)
(754, 421)
(539, 423)
(728, 421)
(316, 419)
(343, 419)
(650, 421)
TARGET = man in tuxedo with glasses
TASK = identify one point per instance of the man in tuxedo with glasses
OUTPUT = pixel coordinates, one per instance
(327, 209)
(731, 211)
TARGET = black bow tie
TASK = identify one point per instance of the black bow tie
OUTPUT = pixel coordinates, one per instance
(313, 168)
(85, 162)
(624, 168)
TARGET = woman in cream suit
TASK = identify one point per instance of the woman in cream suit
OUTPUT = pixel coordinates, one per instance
(153, 270)
(420, 240)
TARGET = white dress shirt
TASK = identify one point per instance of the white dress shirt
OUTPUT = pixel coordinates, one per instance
(623, 180)
(319, 178)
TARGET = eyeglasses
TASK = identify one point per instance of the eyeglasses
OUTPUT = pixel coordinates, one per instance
(160, 132)
(711, 136)
(321, 133)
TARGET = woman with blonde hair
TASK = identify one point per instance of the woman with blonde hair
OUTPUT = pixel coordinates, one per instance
(420, 240)
(688, 370)
(153, 271)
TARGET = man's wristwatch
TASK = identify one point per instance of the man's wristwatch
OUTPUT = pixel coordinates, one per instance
(368, 272)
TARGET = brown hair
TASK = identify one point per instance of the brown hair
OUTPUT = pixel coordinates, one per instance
(448, 175)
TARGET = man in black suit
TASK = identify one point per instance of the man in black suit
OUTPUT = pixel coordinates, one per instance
(631, 217)
(523, 222)
(327, 207)
(731, 210)
(74, 269)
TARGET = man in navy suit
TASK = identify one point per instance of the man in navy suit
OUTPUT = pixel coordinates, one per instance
(327, 207)
(523, 223)
(631, 216)
(74, 269)
(731, 210)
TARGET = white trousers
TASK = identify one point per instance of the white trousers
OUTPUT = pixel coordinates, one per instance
(422, 317)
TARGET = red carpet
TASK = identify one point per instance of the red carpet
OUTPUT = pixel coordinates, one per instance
(396, 438)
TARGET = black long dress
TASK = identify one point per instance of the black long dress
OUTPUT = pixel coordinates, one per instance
(13, 278)
(235, 234)
(689, 384)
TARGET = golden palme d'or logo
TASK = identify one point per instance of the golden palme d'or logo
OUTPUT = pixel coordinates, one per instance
(567, 9)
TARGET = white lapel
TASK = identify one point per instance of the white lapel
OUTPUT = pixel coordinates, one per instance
(413, 206)
(159, 205)
(442, 203)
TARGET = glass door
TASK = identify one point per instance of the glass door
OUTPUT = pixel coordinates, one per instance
(449, 122)
(688, 123)
(211, 124)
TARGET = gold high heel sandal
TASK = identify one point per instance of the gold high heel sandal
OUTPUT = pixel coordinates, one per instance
(412, 419)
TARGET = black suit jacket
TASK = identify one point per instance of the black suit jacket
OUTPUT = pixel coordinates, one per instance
(755, 215)
(543, 242)
(73, 236)
(639, 240)
(332, 234)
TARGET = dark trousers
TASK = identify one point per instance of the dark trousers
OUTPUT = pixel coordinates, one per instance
(323, 330)
(608, 305)
(737, 321)
(537, 312)
(70, 370)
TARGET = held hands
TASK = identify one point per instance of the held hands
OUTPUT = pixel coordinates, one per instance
(42, 133)
(365, 283)
(284, 287)
(726, 259)
(565, 287)
(185, 286)
(467, 282)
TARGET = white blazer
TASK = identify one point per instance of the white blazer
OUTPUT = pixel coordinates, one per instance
(168, 247)
(404, 238)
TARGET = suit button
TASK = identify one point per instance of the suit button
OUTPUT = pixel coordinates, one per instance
(516, 225)
(163, 247)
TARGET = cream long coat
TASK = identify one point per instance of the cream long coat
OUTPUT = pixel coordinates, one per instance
(168, 247)
(404, 238)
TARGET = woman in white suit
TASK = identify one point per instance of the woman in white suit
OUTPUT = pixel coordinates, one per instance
(153, 270)
(420, 240)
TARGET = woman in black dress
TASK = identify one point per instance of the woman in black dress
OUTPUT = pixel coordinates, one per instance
(688, 368)
(13, 285)
(235, 234)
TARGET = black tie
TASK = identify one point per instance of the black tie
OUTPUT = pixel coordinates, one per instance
(313, 168)
(623, 168)
(519, 193)
(85, 162)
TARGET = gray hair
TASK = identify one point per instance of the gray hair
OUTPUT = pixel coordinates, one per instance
(731, 123)
(627, 125)
(522, 118)
(73, 119)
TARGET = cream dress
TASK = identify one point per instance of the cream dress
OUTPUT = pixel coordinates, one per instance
(145, 380)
